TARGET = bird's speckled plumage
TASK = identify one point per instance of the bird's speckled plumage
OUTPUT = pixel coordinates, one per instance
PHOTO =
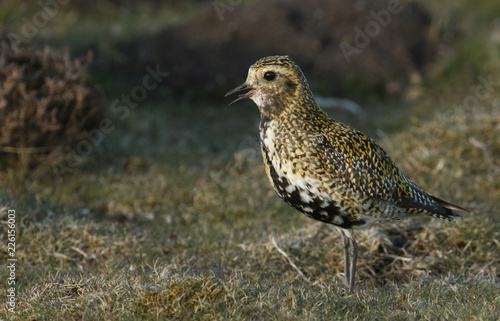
(322, 167)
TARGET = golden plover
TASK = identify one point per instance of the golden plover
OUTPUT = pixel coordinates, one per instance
(324, 168)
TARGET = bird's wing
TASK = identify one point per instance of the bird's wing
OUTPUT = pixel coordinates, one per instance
(356, 161)
(365, 169)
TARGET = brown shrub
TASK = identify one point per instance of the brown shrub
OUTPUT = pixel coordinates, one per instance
(46, 101)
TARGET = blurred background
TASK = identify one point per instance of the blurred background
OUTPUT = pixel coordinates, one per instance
(69, 64)
(113, 120)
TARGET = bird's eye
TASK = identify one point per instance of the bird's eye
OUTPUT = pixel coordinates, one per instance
(270, 75)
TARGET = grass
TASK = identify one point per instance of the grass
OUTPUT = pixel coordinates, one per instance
(172, 219)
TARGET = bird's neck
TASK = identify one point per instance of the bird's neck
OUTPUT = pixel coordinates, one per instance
(298, 118)
(284, 107)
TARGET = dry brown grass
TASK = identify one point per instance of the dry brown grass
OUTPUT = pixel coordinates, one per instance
(195, 242)
(176, 223)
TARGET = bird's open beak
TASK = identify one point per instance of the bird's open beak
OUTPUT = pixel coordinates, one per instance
(241, 87)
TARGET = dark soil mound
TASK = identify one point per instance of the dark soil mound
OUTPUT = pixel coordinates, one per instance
(344, 47)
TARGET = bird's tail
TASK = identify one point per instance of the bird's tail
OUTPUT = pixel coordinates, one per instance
(451, 210)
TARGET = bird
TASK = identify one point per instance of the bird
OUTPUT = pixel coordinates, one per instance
(324, 168)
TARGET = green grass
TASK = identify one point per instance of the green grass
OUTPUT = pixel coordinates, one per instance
(99, 25)
(172, 218)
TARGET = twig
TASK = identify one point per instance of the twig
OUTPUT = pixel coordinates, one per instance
(486, 153)
(26, 150)
(289, 260)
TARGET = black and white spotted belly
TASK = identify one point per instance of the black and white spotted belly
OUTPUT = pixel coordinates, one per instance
(305, 197)
(308, 203)
(310, 195)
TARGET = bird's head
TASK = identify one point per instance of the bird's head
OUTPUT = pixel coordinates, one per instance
(274, 84)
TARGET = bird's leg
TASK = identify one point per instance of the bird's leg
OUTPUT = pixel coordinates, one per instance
(347, 270)
(353, 256)
(350, 257)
